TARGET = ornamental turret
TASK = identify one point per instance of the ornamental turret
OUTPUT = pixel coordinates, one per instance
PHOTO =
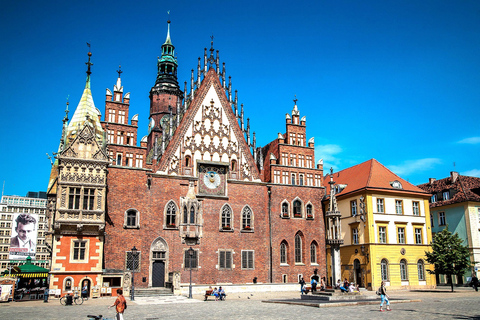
(165, 98)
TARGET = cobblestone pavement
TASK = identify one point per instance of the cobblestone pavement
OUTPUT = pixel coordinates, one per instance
(461, 304)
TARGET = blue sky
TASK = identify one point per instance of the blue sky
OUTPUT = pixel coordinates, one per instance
(398, 81)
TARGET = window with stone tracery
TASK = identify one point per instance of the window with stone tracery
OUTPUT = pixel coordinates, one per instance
(171, 214)
(226, 217)
(247, 218)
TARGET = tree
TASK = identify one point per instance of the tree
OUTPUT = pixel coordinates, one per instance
(449, 255)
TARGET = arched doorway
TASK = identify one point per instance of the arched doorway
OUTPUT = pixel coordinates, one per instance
(158, 263)
(358, 272)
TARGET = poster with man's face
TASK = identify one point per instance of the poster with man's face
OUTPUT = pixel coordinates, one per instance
(23, 243)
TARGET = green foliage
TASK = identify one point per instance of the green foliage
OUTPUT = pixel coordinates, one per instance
(449, 255)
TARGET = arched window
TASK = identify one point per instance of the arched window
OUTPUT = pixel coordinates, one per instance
(247, 218)
(192, 215)
(403, 270)
(298, 249)
(300, 182)
(283, 253)
(285, 210)
(234, 165)
(187, 161)
(313, 253)
(227, 217)
(421, 270)
(384, 269)
(68, 284)
(171, 214)
(297, 209)
(309, 209)
(131, 219)
(185, 215)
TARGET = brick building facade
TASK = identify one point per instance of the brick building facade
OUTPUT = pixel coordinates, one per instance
(198, 180)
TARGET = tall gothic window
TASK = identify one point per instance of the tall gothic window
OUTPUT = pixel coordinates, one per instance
(227, 217)
(298, 249)
(171, 214)
(247, 218)
(283, 253)
(192, 215)
(313, 253)
(185, 215)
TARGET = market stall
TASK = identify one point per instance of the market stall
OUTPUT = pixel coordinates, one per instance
(32, 281)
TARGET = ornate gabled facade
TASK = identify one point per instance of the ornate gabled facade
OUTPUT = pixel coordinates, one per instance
(77, 197)
(202, 183)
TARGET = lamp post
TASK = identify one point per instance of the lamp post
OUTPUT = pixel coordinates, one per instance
(190, 254)
(134, 266)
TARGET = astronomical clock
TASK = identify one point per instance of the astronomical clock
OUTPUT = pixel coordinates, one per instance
(212, 179)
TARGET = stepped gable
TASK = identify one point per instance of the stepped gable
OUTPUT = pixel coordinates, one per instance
(371, 175)
(465, 188)
(174, 153)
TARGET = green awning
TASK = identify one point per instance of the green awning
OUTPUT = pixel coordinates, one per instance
(27, 268)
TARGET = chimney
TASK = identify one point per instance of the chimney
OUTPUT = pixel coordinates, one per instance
(431, 180)
(453, 176)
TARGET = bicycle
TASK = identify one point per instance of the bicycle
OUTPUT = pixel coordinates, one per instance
(76, 298)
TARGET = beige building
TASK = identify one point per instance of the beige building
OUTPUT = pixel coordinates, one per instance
(34, 203)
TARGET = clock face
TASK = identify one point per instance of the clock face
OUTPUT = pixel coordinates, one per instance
(211, 179)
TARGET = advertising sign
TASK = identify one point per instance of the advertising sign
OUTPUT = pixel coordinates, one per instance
(23, 243)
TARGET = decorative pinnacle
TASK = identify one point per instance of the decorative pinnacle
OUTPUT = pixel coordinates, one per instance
(66, 110)
(211, 59)
(119, 70)
(89, 64)
(295, 100)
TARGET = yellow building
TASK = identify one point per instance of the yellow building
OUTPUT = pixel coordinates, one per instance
(385, 227)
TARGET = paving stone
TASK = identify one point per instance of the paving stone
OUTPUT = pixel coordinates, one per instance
(461, 304)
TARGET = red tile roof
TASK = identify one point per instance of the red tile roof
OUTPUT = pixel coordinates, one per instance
(370, 174)
(464, 188)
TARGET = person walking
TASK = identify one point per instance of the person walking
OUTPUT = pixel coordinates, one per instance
(475, 282)
(302, 284)
(383, 294)
(120, 304)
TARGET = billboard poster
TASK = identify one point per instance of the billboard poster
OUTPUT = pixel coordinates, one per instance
(23, 243)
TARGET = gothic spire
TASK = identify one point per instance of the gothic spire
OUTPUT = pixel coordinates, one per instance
(86, 112)
(167, 64)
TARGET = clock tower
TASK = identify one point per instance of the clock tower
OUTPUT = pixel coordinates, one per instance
(165, 101)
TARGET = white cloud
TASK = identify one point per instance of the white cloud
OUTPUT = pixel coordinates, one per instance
(472, 173)
(328, 152)
(471, 140)
(413, 166)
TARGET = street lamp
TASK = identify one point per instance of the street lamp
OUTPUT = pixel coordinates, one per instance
(190, 254)
(134, 266)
